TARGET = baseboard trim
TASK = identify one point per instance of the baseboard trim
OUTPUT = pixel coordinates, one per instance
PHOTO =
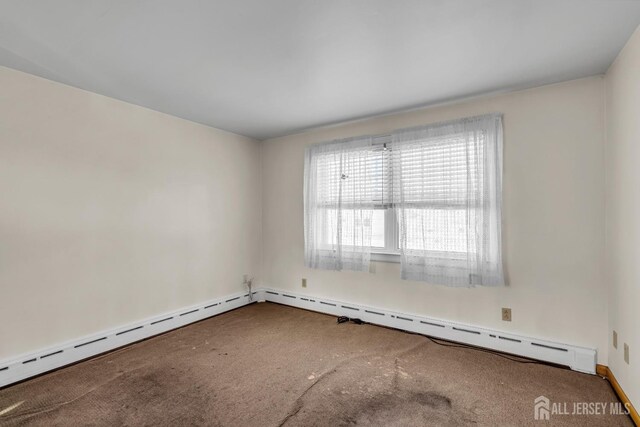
(577, 358)
(605, 372)
(28, 365)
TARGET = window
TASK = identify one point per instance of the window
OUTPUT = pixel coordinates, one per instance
(440, 182)
(364, 192)
(428, 196)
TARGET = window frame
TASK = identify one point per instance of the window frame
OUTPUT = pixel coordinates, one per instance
(391, 251)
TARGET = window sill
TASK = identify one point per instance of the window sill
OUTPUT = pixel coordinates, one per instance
(380, 257)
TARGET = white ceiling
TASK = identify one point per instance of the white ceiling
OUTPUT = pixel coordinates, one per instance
(264, 68)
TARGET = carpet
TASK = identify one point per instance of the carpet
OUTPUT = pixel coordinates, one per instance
(273, 365)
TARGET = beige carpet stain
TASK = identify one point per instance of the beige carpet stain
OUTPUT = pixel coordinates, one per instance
(11, 408)
(271, 365)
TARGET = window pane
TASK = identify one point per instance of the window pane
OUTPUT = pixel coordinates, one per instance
(351, 230)
(353, 223)
(377, 228)
(438, 230)
(353, 178)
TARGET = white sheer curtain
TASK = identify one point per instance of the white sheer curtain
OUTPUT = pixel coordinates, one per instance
(447, 185)
(338, 204)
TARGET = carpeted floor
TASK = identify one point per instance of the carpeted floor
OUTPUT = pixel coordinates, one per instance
(271, 365)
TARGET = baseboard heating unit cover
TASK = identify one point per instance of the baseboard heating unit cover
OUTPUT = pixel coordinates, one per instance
(577, 358)
(29, 365)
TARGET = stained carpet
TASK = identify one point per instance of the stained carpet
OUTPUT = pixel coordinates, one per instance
(272, 365)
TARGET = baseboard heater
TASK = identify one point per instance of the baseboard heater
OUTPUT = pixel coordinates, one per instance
(28, 365)
(577, 358)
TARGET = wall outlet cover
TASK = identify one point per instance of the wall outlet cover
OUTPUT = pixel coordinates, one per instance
(304, 283)
(626, 353)
(615, 339)
(506, 314)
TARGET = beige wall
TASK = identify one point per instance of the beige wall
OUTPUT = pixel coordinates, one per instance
(112, 212)
(623, 214)
(553, 220)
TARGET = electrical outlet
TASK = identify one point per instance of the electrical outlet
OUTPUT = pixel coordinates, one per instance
(506, 314)
(626, 353)
(615, 339)
(304, 283)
